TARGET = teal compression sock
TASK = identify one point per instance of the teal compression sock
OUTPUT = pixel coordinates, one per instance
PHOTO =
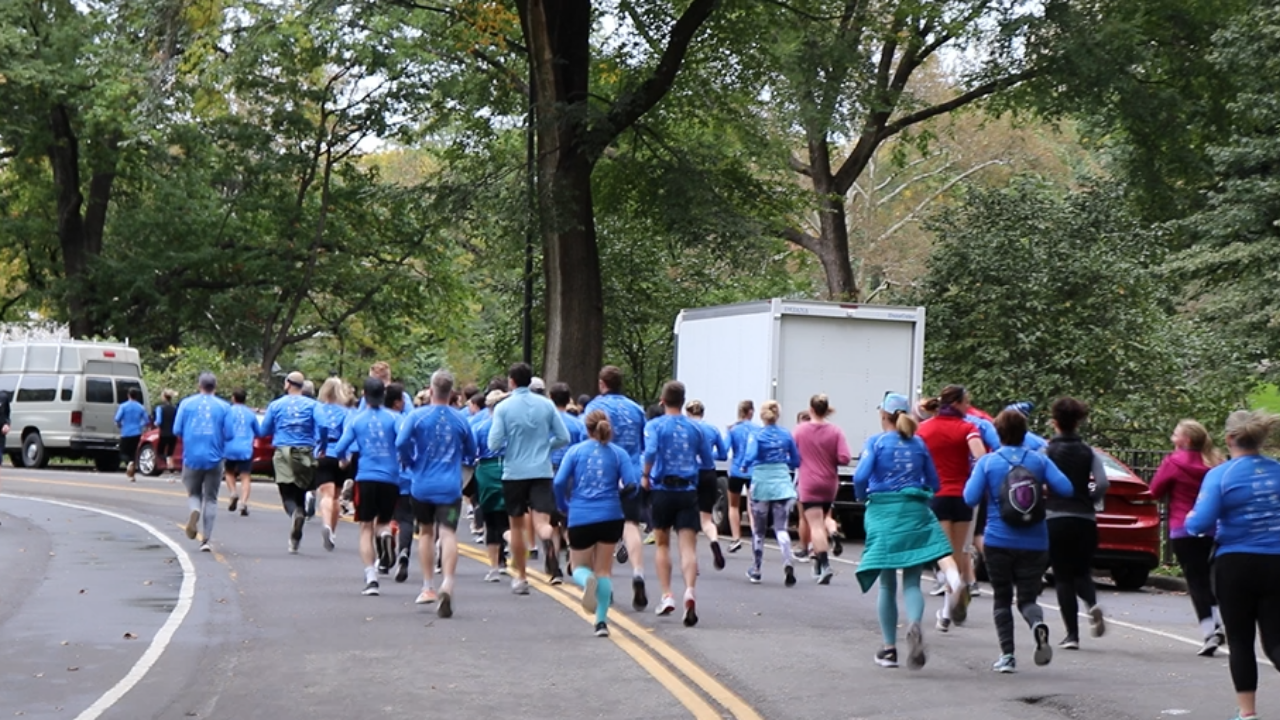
(581, 575)
(604, 592)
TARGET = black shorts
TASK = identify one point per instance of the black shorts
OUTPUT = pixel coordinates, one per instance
(522, 496)
(328, 471)
(237, 467)
(442, 514)
(826, 506)
(675, 510)
(951, 509)
(376, 501)
(738, 484)
(585, 537)
(129, 447)
(495, 524)
(633, 505)
(708, 490)
(353, 467)
(166, 446)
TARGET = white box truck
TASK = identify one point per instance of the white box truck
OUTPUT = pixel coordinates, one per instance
(790, 350)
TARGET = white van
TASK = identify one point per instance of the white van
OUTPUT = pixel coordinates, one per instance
(63, 396)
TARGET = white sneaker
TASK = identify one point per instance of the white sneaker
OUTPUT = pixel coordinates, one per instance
(666, 606)
(519, 587)
(328, 538)
(204, 547)
(494, 575)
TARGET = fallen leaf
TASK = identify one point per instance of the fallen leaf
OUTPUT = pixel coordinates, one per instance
(146, 582)
(130, 636)
(82, 591)
(39, 675)
(222, 601)
(64, 642)
(73, 668)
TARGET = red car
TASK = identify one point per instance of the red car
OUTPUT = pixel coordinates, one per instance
(1128, 527)
(149, 464)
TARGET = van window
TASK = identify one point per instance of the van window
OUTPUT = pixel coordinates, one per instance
(68, 387)
(8, 383)
(99, 390)
(122, 389)
(37, 388)
(108, 367)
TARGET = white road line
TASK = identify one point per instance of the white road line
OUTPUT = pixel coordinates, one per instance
(157, 647)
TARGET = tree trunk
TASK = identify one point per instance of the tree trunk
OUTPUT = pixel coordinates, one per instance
(833, 227)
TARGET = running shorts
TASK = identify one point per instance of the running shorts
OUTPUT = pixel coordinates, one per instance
(826, 506)
(238, 467)
(708, 490)
(521, 496)
(376, 501)
(585, 537)
(675, 510)
(294, 466)
(633, 505)
(738, 484)
(442, 514)
(129, 448)
(168, 443)
(951, 509)
(328, 471)
(495, 524)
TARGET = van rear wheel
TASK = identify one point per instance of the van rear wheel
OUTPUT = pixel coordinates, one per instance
(33, 453)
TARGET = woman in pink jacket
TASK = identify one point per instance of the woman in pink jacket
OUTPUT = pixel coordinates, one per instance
(1178, 481)
(823, 450)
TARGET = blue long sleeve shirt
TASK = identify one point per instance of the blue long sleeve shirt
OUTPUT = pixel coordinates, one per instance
(480, 432)
(676, 448)
(290, 421)
(719, 448)
(200, 423)
(577, 434)
(590, 481)
(240, 428)
(329, 420)
(984, 486)
(771, 455)
(375, 430)
(433, 442)
(530, 428)
(739, 435)
(1241, 498)
(987, 430)
(131, 418)
(891, 464)
(627, 420)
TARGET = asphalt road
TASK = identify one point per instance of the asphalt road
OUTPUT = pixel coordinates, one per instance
(101, 618)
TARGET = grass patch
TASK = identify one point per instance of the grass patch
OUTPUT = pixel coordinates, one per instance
(1267, 397)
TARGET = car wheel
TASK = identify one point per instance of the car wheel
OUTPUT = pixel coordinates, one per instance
(107, 462)
(147, 460)
(33, 453)
(1130, 577)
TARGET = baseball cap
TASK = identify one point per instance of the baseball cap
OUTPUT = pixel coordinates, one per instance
(1022, 406)
(893, 403)
(493, 398)
(538, 386)
(296, 379)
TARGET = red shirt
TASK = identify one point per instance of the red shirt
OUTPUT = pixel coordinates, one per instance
(948, 441)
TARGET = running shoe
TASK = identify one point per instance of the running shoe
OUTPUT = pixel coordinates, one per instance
(478, 538)
(327, 532)
(960, 605)
(131, 471)
(754, 576)
(939, 589)
(589, 601)
(1242, 716)
(1069, 643)
(533, 553)
(944, 624)
(1212, 643)
(621, 554)
(717, 555)
(690, 610)
(295, 532)
(235, 503)
(887, 657)
(519, 587)
(244, 511)
(426, 597)
(915, 647)
(1097, 623)
(801, 555)
(650, 538)
(402, 568)
(192, 523)
(445, 608)
(1044, 651)
(1006, 664)
(667, 606)
(788, 576)
(494, 575)
(293, 546)
(205, 547)
(639, 598)
(309, 505)
(386, 553)
(370, 588)
(825, 573)
(602, 629)
(837, 547)
(974, 590)
(735, 546)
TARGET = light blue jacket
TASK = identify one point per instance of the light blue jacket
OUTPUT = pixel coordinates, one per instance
(530, 428)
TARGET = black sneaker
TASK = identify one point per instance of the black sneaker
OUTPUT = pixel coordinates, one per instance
(295, 533)
(915, 647)
(789, 574)
(639, 599)
(837, 547)
(552, 563)
(887, 658)
(244, 511)
(445, 608)
(621, 554)
(557, 577)
(235, 503)
(717, 555)
(602, 629)
(402, 568)
(370, 588)
(1044, 651)
(690, 612)
(386, 553)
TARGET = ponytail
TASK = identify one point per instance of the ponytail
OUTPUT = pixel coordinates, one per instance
(905, 424)
(598, 426)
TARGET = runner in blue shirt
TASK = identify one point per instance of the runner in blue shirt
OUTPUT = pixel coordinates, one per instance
(330, 415)
(397, 401)
(377, 478)
(560, 396)
(709, 479)
(674, 450)
(771, 457)
(131, 420)
(488, 479)
(738, 435)
(200, 425)
(291, 425)
(241, 431)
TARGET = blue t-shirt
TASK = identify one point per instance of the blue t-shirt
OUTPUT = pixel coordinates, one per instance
(771, 456)
(201, 423)
(375, 430)
(984, 486)
(1241, 498)
(627, 420)
(530, 428)
(240, 428)
(719, 448)
(330, 420)
(590, 480)
(891, 464)
(577, 434)
(739, 435)
(131, 418)
(433, 441)
(290, 421)
(676, 448)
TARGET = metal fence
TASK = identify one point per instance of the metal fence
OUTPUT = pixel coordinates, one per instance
(1144, 464)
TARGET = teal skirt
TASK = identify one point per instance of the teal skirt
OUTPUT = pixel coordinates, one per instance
(902, 532)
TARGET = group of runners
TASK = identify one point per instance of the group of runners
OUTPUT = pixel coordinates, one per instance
(539, 472)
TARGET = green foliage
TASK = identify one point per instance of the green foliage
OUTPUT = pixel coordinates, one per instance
(1032, 294)
(178, 369)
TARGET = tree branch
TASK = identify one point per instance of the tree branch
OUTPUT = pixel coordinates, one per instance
(915, 212)
(959, 101)
(801, 238)
(799, 166)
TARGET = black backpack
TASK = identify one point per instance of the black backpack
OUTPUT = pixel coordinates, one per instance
(1021, 497)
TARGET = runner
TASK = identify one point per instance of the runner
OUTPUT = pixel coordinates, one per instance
(708, 479)
(1073, 522)
(588, 487)
(488, 479)
(433, 440)
(5, 415)
(131, 419)
(397, 401)
(771, 456)
(1017, 535)
(823, 450)
(200, 423)
(1034, 442)
(240, 431)
(1178, 482)
(378, 475)
(562, 398)
(674, 449)
(162, 418)
(529, 427)
(290, 421)
(739, 476)
(1240, 497)
(627, 419)
(331, 416)
(896, 479)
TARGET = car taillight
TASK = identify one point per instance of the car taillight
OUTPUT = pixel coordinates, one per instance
(76, 417)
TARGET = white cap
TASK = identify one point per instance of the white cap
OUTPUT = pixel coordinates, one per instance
(538, 386)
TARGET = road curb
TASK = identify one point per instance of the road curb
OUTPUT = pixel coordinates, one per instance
(1167, 583)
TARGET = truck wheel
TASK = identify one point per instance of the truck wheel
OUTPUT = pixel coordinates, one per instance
(107, 462)
(147, 460)
(1129, 577)
(33, 453)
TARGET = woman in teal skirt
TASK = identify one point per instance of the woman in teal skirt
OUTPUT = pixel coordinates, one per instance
(896, 478)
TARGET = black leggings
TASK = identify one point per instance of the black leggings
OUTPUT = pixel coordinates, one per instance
(1194, 554)
(1248, 587)
(292, 497)
(1010, 570)
(1072, 543)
